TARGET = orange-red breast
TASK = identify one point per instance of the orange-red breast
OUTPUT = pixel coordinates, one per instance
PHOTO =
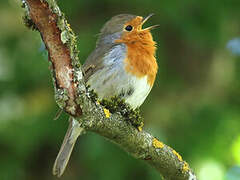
(123, 64)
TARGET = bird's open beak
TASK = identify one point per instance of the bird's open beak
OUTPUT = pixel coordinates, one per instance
(145, 20)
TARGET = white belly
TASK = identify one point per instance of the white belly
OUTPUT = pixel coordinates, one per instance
(140, 93)
(113, 80)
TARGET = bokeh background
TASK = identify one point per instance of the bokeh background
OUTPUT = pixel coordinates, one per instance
(194, 106)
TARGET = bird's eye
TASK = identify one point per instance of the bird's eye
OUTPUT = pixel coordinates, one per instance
(128, 28)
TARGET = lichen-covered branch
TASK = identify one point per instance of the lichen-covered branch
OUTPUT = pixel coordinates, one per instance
(71, 95)
(60, 43)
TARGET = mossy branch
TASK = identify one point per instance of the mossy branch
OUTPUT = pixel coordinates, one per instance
(72, 95)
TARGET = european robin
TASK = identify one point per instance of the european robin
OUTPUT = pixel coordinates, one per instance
(123, 64)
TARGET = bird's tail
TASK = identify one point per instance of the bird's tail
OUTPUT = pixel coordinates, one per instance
(74, 130)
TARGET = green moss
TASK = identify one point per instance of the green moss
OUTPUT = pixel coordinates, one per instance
(116, 104)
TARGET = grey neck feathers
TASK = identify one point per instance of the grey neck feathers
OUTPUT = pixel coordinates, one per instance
(109, 39)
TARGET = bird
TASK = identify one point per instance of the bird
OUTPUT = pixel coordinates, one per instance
(122, 64)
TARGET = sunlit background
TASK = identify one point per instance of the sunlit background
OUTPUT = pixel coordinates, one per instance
(194, 106)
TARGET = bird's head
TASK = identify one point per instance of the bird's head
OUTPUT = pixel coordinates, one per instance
(126, 28)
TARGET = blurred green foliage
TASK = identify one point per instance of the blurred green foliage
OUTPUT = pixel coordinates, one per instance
(193, 107)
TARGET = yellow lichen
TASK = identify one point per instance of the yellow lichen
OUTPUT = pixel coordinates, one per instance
(185, 167)
(178, 155)
(157, 144)
(107, 113)
(69, 27)
(140, 127)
